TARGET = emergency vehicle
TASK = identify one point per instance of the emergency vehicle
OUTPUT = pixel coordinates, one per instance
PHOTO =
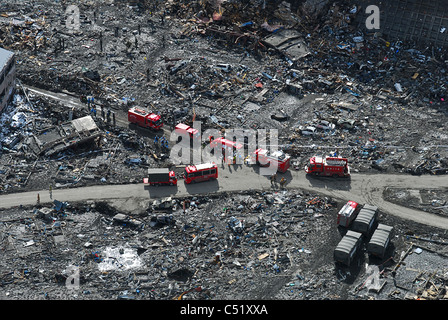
(200, 172)
(225, 143)
(347, 213)
(231, 146)
(279, 158)
(160, 176)
(144, 118)
(328, 166)
(182, 128)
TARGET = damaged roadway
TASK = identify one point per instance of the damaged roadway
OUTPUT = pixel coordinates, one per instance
(281, 67)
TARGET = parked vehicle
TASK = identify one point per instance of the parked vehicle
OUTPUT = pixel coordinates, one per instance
(183, 129)
(365, 219)
(231, 146)
(180, 65)
(329, 166)
(347, 214)
(160, 176)
(380, 241)
(225, 143)
(347, 248)
(278, 158)
(144, 118)
(200, 172)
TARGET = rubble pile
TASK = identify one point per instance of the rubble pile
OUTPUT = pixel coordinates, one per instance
(177, 244)
(302, 67)
(271, 65)
(34, 157)
(257, 245)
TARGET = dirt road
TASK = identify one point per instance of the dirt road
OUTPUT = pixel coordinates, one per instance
(363, 188)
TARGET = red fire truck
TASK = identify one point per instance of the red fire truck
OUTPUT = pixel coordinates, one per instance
(328, 166)
(225, 143)
(200, 172)
(160, 176)
(279, 158)
(182, 128)
(347, 214)
(144, 118)
(231, 146)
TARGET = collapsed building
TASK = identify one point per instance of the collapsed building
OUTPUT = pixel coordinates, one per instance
(58, 138)
(7, 77)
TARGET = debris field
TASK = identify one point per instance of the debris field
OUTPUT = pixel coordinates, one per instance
(309, 71)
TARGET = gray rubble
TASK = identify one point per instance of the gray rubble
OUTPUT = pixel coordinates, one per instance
(380, 102)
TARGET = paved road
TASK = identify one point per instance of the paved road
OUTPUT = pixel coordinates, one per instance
(363, 188)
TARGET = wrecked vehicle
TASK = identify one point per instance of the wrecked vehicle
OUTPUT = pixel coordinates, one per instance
(324, 125)
(346, 123)
(307, 131)
(223, 66)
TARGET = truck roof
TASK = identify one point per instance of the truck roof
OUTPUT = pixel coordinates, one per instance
(278, 154)
(145, 113)
(203, 166)
(183, 126)
(154, 116)
(381, 235)
(348, 208)
(228, 143)
(139, 111)
(348, 242)
(329, 161)
(158, 170)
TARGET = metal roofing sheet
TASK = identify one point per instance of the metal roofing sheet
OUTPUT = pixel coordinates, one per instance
(348, 242)
(5, 56)
(380, 235)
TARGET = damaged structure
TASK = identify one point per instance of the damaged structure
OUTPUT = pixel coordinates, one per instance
(59, 138)
(7, 77)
